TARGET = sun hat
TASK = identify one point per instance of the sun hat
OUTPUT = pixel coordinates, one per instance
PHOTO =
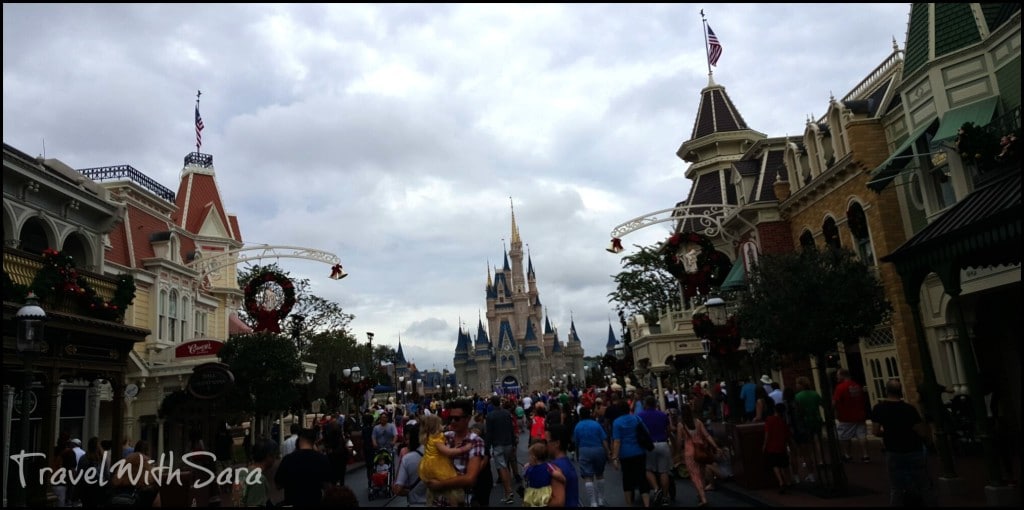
(765, 379)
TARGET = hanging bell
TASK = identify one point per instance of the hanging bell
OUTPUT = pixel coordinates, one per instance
(338, 272)
(615, 246)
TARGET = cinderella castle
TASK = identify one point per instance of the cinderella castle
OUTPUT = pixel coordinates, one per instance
(513, 353)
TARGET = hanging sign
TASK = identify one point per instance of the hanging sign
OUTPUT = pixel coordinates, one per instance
(210, 380)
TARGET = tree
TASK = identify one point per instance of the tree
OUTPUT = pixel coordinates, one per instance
(333, 352)
(644, 286)
(266, 367)
(807, 302)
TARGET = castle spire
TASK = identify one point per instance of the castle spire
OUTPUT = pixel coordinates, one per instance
(515, 228)
(489, 274)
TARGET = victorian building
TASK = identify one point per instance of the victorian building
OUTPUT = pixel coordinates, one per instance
(514, 352)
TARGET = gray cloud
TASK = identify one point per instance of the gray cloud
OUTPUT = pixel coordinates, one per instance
(394, 135)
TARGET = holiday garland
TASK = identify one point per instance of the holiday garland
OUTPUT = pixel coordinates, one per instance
(268, 319)
(724, 339)
(712, 265)
(58, 281)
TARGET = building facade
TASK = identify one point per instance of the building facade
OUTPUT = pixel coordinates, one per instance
(513, 352)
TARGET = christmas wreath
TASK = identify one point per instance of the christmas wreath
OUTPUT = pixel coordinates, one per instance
(268, 318)
(724, 339)
(709, 270)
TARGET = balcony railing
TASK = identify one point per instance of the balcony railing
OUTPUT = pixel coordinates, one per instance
(128, 172)
(22, 266)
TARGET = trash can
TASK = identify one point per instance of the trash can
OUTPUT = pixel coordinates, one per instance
(749, 466)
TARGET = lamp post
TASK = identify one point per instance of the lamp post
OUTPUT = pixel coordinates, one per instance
(401, 387)
(751, 346)
(30, 321)
(369, 343)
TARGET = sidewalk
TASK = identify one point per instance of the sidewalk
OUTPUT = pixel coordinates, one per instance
(869, 485)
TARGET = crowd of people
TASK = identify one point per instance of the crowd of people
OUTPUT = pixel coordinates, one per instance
(455, 453)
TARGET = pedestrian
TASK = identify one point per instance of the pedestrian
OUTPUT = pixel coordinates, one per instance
(808, 406)
(748, 394)
(339, 496)
(88, 490)
(136, 485)
(264, 454)
(288, 446)
(305, 473)
(776, 437)
(538, 476)
(566, 483)
(481, 495)
(693, 436)
(64, 457)
(407, 480)
(850, 403)
(539, 422)
(763, 405)
(776, 393)
(384, 434)
(630, 458)
(593, 449)
(904, 435)
(501, 439)
(659, 460)
(468, 466)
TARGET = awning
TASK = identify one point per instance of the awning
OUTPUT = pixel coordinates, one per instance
(983, 229)
(979, 113)
(737, 277)
(901, 157)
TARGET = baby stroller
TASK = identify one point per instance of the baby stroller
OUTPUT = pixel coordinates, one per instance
(381, 476)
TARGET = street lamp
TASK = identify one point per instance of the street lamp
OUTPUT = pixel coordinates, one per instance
(706, 345)
(30, 321)
(716, 311)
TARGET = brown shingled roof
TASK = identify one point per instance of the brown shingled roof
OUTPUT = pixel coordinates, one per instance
(716, 114)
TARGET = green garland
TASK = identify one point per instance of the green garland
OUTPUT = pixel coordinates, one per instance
(58, 280)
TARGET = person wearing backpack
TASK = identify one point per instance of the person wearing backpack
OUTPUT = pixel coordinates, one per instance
(407, 481)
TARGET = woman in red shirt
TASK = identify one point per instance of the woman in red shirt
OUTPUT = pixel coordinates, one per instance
(776, 436)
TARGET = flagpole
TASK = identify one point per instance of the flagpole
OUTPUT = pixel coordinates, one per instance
(200, 92)
(707, 49)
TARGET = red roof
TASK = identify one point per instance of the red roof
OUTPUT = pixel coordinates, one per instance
(202, 194)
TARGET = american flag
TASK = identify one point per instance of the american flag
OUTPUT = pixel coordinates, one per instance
(199, 130)
(714, 48)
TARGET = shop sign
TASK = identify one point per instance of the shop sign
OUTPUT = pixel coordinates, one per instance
(198, 348)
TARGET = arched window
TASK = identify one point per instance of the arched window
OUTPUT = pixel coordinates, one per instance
(858, 223)
(172, 317)
(75, 246)
(807, 239)
(33, 236)
(162, 319)
(830, 232)
(184, 318)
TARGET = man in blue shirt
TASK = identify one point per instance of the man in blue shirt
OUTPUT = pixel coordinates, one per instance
(659, 460)
(557, 438)
(749, 397)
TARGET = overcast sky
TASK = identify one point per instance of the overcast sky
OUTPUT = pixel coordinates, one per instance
(394, 135)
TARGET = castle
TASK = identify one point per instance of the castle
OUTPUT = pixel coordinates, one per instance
(522, 357)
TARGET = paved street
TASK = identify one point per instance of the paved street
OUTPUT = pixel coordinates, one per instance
(686, 496)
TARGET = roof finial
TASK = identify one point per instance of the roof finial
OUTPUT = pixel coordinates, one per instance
(895, 45)
(515, 229)
(489, 274)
